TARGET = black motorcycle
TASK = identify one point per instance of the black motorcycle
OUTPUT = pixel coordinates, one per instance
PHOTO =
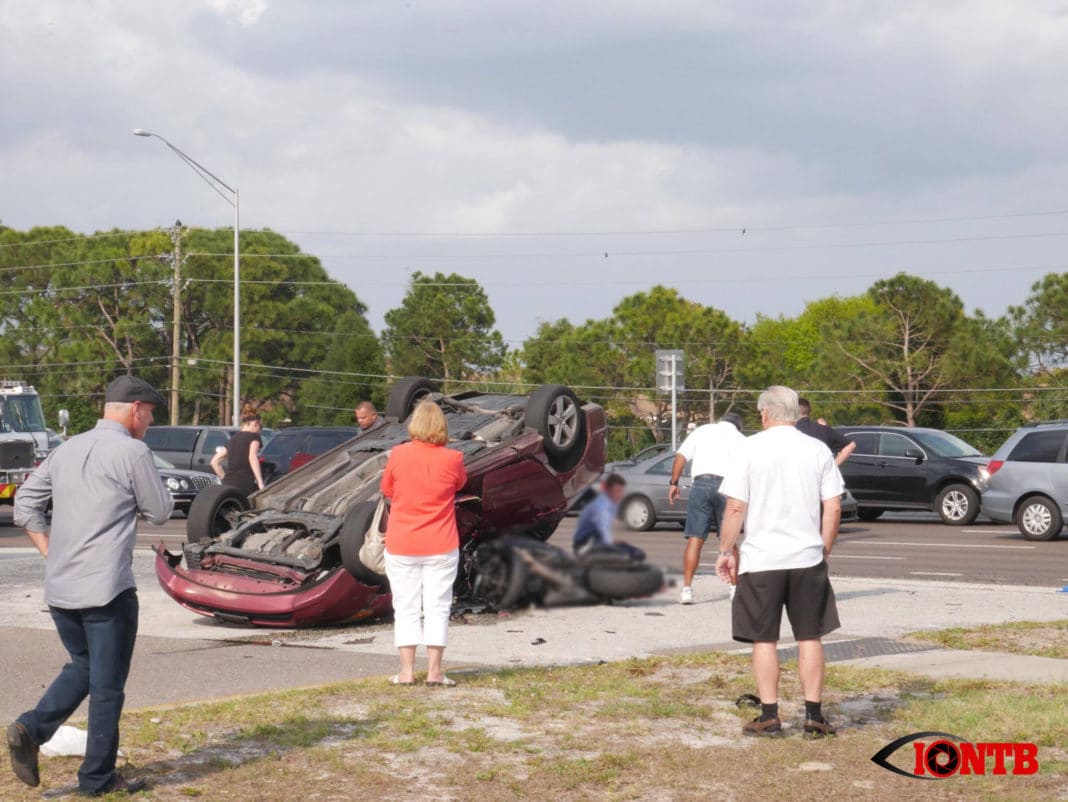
(512, 571)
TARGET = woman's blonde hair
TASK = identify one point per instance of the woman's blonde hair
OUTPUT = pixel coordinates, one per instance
(428, 424)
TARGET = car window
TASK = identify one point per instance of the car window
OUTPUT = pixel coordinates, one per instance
(944, 444)
(662, 466)
(867, 442)
(166, 438)
(321, 442)
(894, 445)
(1038, 447)
(213, 439)
(283, 448)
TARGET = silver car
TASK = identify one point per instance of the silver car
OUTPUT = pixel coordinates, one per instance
(1029, 480)
(645, 503)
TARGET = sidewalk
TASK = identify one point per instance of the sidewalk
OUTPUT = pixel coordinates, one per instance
(185, 657)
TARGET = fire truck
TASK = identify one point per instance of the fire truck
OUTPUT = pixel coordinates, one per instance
(24, 439)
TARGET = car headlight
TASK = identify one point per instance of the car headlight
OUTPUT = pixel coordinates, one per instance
(984, 479)
(172, 483)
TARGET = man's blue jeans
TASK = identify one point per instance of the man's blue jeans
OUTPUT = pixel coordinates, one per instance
(100, 641)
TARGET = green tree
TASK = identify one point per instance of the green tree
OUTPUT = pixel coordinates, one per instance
(600, 356)
(1041, 324)
(443, 329)
(899, 351)
(352, 371)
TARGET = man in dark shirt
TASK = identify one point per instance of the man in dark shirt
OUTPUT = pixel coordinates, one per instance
(840, 445)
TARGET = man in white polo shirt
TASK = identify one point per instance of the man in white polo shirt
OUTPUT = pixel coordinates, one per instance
(775, 487)
(709, 449)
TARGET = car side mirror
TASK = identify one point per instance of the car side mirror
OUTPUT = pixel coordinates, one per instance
(914, 453)
(64, 420)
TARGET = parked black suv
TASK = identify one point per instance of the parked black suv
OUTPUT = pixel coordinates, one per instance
(898, 468)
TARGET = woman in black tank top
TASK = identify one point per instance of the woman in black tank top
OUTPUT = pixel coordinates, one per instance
(242, 456)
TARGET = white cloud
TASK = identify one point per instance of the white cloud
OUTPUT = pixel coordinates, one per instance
(247, 12)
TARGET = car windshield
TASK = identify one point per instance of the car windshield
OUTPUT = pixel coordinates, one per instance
(21, 414)
(943, 444)
(162, 463)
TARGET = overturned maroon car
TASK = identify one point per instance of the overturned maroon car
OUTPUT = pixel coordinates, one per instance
(310, 549)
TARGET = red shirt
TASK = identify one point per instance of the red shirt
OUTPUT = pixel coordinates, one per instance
(422, 481)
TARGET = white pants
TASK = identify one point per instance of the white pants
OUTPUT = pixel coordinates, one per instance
(422, 597)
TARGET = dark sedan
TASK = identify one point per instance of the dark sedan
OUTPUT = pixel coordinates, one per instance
(909, 468)
(310, 551)
(184, 486)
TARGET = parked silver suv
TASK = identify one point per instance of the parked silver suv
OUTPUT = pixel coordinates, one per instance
(1029, 480)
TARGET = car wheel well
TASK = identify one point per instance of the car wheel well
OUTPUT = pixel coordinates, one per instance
(1029, 497)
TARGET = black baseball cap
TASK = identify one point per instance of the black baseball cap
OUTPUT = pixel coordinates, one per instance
(127, 389)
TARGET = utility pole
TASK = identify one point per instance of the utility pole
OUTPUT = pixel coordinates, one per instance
(176, 323)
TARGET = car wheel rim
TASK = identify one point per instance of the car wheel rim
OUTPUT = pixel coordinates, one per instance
(955, 505)
(1037, 519)
(563, 421)
(637, 515)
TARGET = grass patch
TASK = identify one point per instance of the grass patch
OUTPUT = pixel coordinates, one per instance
(1040, 638)
(661, 728)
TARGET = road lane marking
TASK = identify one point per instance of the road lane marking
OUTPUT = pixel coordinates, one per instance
(940, 545)
(1003, 530)
(933, 573)
(863, 557)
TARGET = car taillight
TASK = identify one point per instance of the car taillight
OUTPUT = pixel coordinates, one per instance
(995, 466)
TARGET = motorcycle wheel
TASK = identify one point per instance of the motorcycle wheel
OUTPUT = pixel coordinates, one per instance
(624, 583)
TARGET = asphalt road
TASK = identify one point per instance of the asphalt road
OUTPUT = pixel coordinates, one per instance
(902, 546)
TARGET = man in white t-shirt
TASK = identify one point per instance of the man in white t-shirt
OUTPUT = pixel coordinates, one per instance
(776, 486)
(709, 449)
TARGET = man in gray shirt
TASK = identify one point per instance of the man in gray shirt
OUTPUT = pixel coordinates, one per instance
(97, 482)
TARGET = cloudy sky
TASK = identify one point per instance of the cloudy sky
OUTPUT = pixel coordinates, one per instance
(564, 154)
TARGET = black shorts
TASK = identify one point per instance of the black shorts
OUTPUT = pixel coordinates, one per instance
(806, 594)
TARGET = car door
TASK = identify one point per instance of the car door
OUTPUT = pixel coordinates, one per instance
(903, 465)
(210, 442)
(861, 471)
(657, 481)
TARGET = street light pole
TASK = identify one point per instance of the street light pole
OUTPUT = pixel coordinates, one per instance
(234, 200)
(176, 319)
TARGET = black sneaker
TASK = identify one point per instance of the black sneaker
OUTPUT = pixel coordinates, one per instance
(23, 755)
(763, 728)
(120, 784)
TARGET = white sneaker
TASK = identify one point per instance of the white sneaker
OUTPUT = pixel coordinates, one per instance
(687, 596)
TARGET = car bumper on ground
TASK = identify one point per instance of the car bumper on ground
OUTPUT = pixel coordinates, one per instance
(334, 598)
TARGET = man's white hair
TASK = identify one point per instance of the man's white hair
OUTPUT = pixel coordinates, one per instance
(117, 407)
(780, 403)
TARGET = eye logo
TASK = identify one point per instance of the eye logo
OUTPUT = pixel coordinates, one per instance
(940, 755)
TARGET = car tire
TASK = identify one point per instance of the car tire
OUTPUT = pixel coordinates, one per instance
(351, 539)
(957, 505)
(868, 513)
(624, 583)
(214, 512)
(1039, 518)
(406, 393)
(555, 412)
(500, 576)
(638, 514)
